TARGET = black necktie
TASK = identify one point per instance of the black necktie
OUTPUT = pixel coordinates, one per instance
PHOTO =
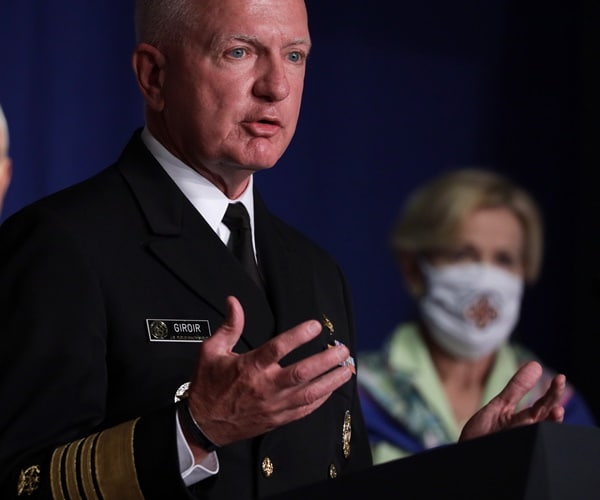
(240, 241)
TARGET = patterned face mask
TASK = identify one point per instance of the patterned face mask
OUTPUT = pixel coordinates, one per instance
(470, 309)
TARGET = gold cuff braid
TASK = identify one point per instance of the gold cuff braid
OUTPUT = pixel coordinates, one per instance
(99, 466)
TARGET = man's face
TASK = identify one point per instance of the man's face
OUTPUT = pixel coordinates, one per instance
(232, 91)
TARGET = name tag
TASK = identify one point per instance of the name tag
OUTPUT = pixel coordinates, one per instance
(178, 330)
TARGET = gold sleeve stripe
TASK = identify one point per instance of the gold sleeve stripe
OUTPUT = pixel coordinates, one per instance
(71, 469)
(56, 471)
(86, 468)
(115, 463)
(100, 466)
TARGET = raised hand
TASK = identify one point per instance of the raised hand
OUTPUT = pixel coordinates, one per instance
(499, 413)
(238, 396)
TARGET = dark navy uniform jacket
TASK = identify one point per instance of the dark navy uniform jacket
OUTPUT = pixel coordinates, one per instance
(86, 390)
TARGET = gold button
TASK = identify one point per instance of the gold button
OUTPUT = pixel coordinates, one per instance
(267, 467)
(332, 471)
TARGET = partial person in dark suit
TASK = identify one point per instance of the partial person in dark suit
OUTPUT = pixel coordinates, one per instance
(139, 358)
(5, 162)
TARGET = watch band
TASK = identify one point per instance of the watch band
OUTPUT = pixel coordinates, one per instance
(191, 428)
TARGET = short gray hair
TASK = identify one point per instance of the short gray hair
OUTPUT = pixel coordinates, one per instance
(162, 21)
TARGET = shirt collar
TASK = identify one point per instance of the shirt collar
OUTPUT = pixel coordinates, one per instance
(203, 194)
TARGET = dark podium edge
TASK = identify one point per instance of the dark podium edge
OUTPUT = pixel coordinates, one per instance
(544, 461)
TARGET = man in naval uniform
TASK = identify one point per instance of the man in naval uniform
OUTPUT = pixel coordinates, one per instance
(140, 358)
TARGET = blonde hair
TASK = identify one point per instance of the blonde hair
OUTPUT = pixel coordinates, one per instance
(433, 214)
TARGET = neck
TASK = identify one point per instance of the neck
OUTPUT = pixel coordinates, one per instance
(463, 381)
(232, 186)
(231, 181)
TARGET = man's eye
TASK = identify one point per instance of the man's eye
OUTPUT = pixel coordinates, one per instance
(295, 56)
(237, 53)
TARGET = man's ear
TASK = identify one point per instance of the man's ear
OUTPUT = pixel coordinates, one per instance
(149, 68)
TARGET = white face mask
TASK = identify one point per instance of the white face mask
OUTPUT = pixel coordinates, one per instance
(470, 309)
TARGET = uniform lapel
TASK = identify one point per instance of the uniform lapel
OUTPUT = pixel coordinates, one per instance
(288, 275)
(182, 240)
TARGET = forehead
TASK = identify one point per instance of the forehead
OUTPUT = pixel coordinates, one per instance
(259, 19)
(493, 227)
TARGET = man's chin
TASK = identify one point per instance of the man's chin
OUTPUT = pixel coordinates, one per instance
(262, 166)
(259, 164)
(262, 154)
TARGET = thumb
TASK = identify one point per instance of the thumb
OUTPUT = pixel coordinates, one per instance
(230, 330)
(521, 383)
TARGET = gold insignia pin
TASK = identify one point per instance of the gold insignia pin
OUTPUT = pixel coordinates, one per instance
(159, 330)
(333, 342)
(267, 467)
(346, 434)
(332, 471)
(29, 480)
(328, 324)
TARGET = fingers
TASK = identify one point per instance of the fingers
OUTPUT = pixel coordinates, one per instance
(307, 383)
(306, 392)
(314, 366)
(292, 414)
(270, 353)
(284, 343)
(265, 359)
(520, 384)
(302, 401)
(238, 396)
(558, 414)
(498, 414)
(547, 407)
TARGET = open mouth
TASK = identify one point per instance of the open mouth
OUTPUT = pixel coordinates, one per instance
(263, 127)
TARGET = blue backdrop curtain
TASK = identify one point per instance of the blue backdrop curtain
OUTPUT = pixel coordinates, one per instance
(396, 92)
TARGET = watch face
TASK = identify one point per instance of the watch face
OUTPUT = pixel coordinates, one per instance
(181, 392)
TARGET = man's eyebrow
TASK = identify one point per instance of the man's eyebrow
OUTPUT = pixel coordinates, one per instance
(242, 37)
(300, 41)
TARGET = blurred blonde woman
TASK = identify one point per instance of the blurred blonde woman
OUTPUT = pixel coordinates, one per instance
(467, 243)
